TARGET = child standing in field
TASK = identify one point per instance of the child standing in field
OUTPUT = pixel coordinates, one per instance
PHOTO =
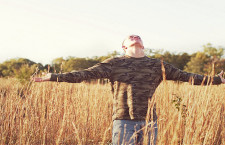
(134, 78)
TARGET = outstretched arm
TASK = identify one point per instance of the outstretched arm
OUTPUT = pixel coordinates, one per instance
(100, 70)
(176, 74)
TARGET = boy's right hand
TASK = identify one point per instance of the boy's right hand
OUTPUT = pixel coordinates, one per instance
(42, 79)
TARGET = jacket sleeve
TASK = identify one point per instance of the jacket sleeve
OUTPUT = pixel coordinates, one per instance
(173, 73)
(100, 70)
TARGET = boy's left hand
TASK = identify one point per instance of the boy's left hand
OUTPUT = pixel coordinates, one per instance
(221, 76)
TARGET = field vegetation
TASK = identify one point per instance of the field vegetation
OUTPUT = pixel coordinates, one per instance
(63, 113)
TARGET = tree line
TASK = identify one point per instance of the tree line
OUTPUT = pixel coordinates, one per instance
(208, 61)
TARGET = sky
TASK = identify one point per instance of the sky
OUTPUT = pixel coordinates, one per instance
(47, 29)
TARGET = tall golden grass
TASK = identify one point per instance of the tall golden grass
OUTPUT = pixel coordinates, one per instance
(63, 113)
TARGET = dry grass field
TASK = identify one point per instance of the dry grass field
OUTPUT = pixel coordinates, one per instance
(63, 113)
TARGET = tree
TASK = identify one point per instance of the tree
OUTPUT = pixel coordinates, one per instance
(57, 64)
(209, 61)
(197, 62)
(215, 63)
(77, 64)
(182, 60)
(8, 68)
(20, 68)
(213, 52)
(25, 72)
(178, 60)
(109, 55)
(154, 53)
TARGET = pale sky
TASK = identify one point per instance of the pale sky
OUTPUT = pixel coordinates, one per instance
(42, 30)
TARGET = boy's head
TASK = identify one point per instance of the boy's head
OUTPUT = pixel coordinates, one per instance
(131, 41)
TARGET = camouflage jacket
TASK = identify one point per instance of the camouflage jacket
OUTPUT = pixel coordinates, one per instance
(133, 81)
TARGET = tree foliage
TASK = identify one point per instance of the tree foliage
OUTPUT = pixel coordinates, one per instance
(20, 68)
(203, 62)
(197, 62)
(210, 61)
(178, 60)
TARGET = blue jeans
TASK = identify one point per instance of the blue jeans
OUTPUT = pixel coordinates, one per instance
(132, 132)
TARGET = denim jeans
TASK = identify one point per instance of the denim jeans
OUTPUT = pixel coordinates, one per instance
(132, 132)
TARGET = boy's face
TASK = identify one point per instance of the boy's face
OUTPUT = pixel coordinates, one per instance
(133, 40)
